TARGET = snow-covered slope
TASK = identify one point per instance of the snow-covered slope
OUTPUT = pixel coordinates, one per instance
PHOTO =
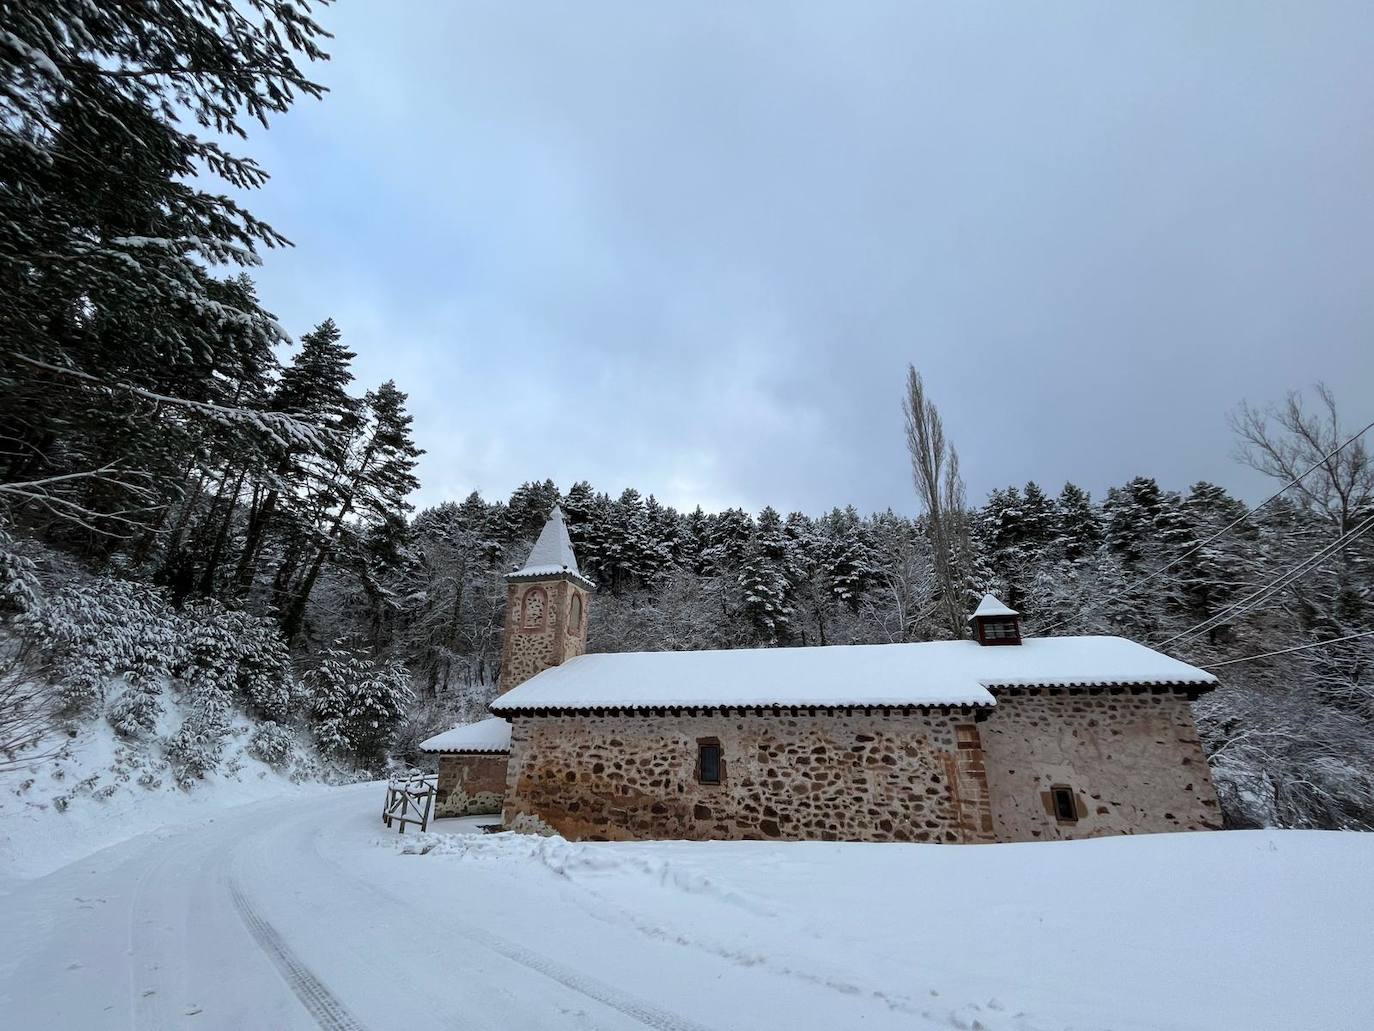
(101, 789)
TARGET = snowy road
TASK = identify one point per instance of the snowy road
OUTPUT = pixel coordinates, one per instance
(186, 929)
(304, 913)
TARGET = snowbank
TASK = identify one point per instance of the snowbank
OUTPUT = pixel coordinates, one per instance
(1244, 930)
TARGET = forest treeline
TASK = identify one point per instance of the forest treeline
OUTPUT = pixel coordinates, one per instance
(193, 504)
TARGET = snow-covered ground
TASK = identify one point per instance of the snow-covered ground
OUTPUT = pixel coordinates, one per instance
(303, 912)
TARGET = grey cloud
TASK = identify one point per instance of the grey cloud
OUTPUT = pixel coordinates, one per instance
(691, 248)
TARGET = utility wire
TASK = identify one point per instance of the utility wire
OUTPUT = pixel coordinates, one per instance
(1225, 529)
(1296, 648)
(1240, 608)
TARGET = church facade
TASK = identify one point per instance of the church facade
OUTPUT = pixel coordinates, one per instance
(997, 738)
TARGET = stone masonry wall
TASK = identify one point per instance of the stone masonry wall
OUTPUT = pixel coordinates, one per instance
(885, 776)
(1133, 761)
(470, 785)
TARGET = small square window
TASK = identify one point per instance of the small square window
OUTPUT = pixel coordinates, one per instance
(708, 762)
(1065, 805)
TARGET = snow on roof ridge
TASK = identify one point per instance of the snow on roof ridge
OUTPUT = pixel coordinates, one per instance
(993, 606)
(933, 673)
(489, 735)
(552, 552)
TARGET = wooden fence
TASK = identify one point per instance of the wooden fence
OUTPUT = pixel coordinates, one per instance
(410, 799)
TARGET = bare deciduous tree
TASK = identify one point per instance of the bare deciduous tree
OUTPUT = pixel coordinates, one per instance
(1282, 441)
(27, 712)
(935, 471)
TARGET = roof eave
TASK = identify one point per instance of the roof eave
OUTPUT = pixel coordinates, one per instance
(520, 576)
(699, 707)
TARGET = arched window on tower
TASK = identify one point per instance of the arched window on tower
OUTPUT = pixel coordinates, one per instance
(575, 614)
(536, 602)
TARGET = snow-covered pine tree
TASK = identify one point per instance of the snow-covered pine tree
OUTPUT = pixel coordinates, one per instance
(1210, 577)
(377, 479)
(1080, 523)
(528, 509)
(357, 701)
(766, 581)
(727, 541)
(849, 556)
(1039, 518)
(662, 530)
(313, 388)
(694, 539)
(121, 348)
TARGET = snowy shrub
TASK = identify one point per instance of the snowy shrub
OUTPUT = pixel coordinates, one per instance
(226, 657)
(137, 708)
(98, 630)
(272, 743)
(357, 703)
(195, 749)
(19, 589)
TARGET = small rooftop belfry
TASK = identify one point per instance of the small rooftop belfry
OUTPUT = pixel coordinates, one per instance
(995, 623)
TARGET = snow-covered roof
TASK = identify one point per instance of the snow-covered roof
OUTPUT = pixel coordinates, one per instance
(991, 606)
(552, 553)
(934, 673)
(489, 735)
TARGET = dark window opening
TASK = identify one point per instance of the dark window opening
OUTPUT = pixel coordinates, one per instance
(1065, 807)
(708, 763)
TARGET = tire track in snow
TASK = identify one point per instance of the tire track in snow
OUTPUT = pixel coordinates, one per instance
(147, 1004)
(328, 1011)
(637, 1009)
(645, 1013)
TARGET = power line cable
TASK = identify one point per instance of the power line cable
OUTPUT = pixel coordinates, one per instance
(1243, 606)
(1225, 529)
(1287, 651)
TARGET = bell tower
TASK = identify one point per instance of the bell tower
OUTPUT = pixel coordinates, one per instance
(546, 607)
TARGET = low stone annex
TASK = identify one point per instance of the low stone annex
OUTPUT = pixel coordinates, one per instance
(997, 738)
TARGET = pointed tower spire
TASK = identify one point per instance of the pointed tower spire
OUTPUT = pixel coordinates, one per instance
(552, 553)
(546, 607)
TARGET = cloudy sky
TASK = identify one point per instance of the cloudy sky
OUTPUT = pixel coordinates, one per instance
(692, 247)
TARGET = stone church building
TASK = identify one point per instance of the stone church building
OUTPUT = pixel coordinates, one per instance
(995, 738)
